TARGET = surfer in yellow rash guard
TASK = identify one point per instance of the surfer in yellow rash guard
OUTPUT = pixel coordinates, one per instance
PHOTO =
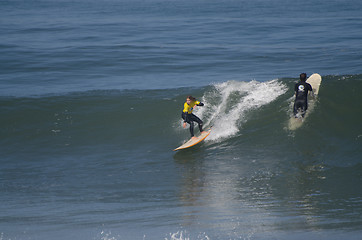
(188, 116)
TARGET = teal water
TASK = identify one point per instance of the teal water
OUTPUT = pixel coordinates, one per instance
(100, 165)
(50, 46)
(90, 99)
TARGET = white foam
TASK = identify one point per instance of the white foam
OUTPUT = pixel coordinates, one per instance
(184, 235)
(227, 103)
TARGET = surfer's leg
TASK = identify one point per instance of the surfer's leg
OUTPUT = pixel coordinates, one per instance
(297, 105)
(192, 128)
(198, 120)
(295, 109)
(304, 108)
(200, 125)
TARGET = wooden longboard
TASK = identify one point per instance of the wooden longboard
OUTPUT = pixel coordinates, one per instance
(194, 141)
(296, 122)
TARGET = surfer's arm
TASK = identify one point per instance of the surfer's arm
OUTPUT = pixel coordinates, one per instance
(312, 94)
(295, 90)
(197, 103)
(311, 91)
(184, 116)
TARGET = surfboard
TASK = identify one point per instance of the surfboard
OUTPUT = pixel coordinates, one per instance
(194, 141)
(315, 81)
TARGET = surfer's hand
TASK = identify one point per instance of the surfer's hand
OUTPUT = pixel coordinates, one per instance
(184, 125)
(312, 95)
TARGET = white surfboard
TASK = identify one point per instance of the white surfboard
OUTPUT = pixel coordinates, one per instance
(194, 141)
(296, 122)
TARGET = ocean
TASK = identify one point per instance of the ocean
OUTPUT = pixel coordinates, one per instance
(91, 94)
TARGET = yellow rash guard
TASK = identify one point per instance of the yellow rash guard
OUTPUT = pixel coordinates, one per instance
(188, 108)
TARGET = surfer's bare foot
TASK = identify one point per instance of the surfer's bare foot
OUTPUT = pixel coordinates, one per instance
(194, 137)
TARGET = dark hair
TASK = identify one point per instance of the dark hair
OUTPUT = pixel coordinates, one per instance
(191, 98)
(303, 77)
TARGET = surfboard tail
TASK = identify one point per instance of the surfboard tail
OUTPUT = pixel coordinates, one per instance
(193, 141)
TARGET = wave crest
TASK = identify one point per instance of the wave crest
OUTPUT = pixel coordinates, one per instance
(227, 104)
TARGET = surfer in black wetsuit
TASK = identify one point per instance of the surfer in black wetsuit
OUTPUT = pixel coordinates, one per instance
(301, 95)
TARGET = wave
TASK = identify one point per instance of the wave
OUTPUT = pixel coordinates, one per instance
(243, 114)
(228, 103)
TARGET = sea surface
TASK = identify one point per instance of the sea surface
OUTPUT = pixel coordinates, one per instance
(91, 93)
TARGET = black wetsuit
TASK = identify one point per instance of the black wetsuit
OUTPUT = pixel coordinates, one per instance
(190, 118)
(301, 97)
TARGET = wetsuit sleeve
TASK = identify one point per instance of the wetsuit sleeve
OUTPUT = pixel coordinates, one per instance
(184, 116)
(199, 103)
(186, 108)
(310, 87)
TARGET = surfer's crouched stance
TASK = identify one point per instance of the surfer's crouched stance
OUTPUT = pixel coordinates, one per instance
(301, 95)
(188, 116)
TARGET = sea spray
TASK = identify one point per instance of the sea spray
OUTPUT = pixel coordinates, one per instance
(227, 104)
